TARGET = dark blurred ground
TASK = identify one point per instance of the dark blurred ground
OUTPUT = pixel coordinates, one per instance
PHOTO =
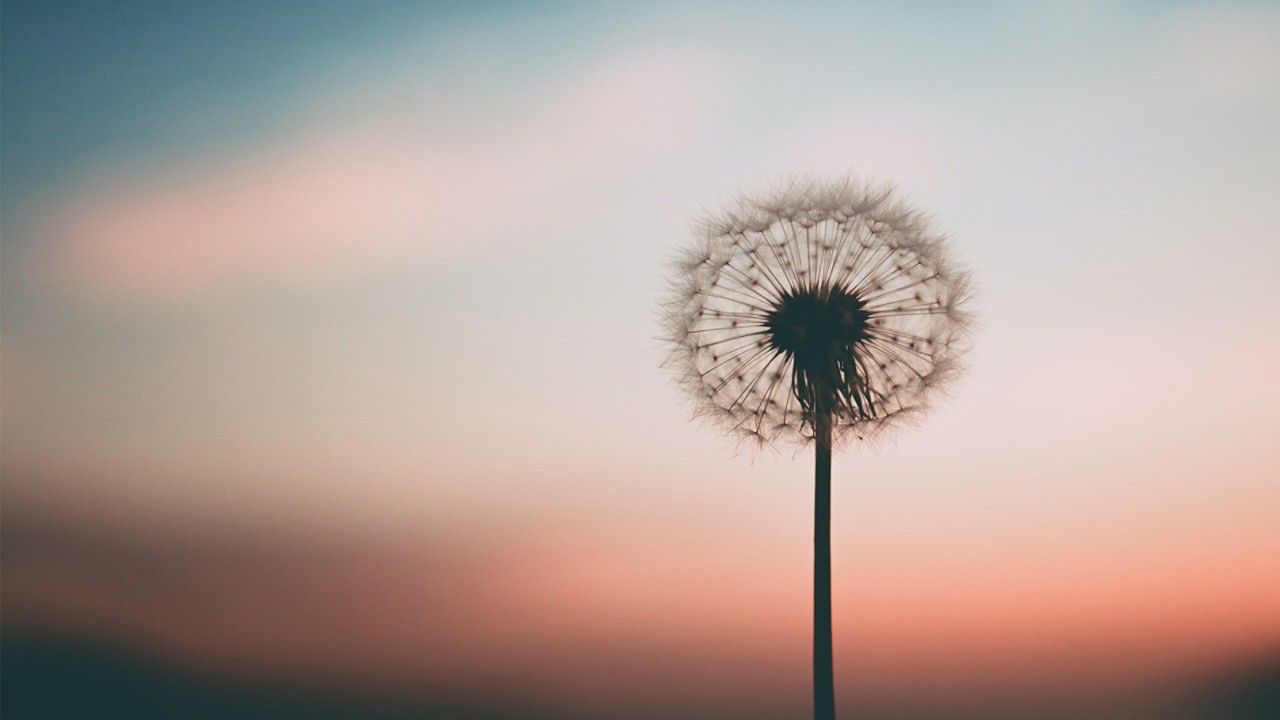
(48, 678)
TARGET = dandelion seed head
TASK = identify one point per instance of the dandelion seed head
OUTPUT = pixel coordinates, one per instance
(823, 300)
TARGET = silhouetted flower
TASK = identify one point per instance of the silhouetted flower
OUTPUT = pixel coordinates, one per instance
(820, 303)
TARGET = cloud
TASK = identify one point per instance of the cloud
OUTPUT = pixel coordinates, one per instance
(340, 202)
(300, 214)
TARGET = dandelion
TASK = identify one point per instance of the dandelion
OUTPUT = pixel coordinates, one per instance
(820, 313)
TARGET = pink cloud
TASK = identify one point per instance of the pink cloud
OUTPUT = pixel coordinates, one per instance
(340, 203)
(299, 215)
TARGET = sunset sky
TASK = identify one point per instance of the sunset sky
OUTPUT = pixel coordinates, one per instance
(331, 348)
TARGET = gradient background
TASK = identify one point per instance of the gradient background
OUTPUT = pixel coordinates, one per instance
(330, 361)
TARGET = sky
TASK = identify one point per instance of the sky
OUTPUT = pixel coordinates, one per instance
(331, 348)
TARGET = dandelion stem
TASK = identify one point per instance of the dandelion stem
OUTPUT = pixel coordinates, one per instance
(824, 693)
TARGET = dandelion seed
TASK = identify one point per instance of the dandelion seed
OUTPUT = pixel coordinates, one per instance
(854, 317)
(856, 298)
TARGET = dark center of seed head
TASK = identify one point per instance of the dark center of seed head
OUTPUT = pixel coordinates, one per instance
(817, 328)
